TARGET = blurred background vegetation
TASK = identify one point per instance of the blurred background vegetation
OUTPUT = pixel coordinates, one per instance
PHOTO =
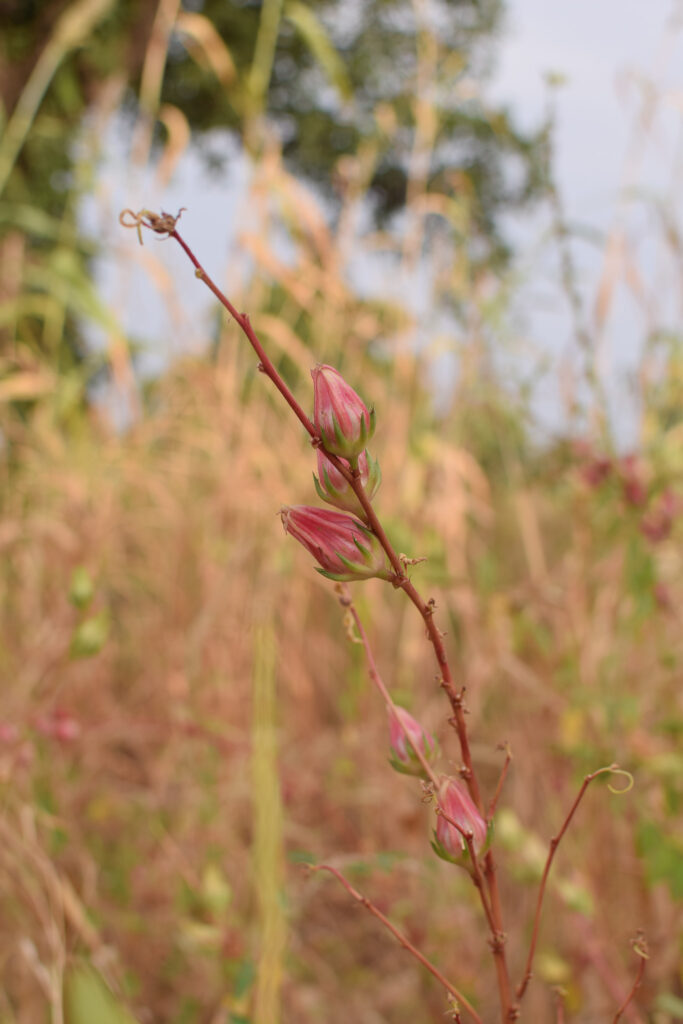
(184, 722)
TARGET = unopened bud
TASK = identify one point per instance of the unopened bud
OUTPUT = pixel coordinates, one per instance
(340, 416)
(405, 758)
(345, 549)
(333, 488)
(456, 803)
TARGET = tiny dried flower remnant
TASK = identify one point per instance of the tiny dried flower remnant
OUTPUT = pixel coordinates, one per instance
(404, 757)
(456, 804)
(345, 549)
(340, 416)
(334, 489)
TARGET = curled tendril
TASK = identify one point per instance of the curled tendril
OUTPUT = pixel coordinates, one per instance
(162, 223)
(630, 781)
(640, 947)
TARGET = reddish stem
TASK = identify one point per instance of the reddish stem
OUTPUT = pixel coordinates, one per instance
(640, 947)
(554, 843)
(477, 877)
(376, 678)
(353, 477)
(364, 901)
(501, 782)
(164, 224)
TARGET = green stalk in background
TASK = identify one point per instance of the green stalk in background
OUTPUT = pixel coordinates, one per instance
(268, 838)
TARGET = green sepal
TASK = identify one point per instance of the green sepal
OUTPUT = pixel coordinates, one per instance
(463, 861)
(415, 769)
(374, 475)
(340, 577)
(340, 445)
(320, 492)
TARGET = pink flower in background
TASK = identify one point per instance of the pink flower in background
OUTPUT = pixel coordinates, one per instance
(345, 549)
(633, 482)
(59, 725)
(334, 489)
(339, 414)
(404, 758)
(596, 470)
(657, 523)
(455, 801)
(8, 733)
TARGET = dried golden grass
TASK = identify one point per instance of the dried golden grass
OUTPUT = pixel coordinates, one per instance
(143, 843)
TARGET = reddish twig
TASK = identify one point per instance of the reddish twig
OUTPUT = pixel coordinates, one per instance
(554, 843)
(641, 951)
(365, 902)
(477, 877)
(509, 1007)
(501, 781)
(376, 678)
(165, 224)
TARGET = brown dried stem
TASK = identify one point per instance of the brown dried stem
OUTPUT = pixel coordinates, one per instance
(413, 950)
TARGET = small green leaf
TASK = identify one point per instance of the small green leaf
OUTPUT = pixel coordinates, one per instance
(302, 857)
(81, 587)
(216, 890)
(87, 999)
(90, 636)
(669, 1003)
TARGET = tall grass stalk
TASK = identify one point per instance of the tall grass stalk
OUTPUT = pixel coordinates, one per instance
(268, 841)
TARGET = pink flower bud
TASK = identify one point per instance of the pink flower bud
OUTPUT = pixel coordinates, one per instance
(339, 414)
(404, 758)
(333, 488)
(455, 801)
(345, 549)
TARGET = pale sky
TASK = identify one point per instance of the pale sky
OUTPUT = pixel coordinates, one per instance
(607, 50)
(613, 53)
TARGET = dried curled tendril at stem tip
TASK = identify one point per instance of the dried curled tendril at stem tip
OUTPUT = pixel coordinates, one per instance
(163, 223)
(614, 769)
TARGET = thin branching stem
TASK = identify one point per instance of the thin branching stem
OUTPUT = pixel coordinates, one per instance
(477, 877)
(554, 843)
(376, 678)
(501, 782)
(413, 950)
(165, 224)
(641, 951)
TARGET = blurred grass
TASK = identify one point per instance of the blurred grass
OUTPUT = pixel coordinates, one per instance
(184, 723)
(268, 844)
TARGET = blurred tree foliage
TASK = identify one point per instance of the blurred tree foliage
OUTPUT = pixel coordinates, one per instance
(331, 76)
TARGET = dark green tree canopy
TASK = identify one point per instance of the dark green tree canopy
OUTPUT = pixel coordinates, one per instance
(330, 77)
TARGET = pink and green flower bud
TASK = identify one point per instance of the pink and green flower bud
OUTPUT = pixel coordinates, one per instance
(345, 549)
(333, 488)
(404, 757)
(456, 804)
(339, 414)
